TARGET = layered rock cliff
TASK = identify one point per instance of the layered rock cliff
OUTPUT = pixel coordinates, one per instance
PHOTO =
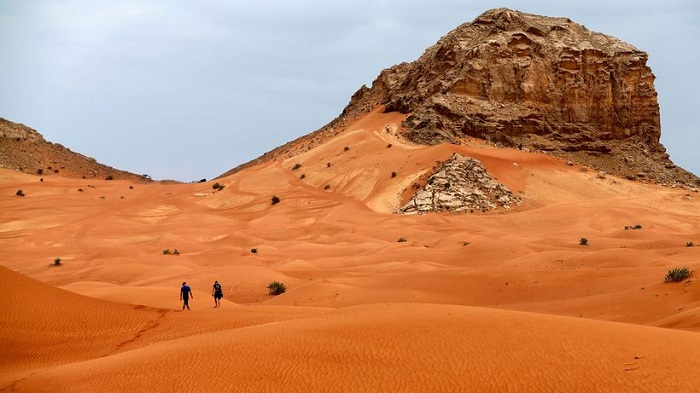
(532, 82)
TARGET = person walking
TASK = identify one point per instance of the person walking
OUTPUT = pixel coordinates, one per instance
(185, 295)
(217, 293)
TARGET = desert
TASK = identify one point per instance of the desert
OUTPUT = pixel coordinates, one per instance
(562, 290)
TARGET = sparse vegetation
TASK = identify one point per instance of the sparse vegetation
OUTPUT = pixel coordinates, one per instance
(275, 199)
(630, 227)
(167, 251)
(346, 148)
(276, 288)
(39, 171)
(303, 175)
(19, 193)
(389, 145)
(80, 189)
(402, 240)
(110, 177)
(296, 166)
(678, 274)
(583, 241)
(465, 243)
(393, 175)
(254, 250)
(57, 261)
(689, 244)
(328, 165)
(327, 187)
(218, 186)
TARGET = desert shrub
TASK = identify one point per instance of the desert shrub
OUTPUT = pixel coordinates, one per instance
(39, 171)
(583, 241)
(393, 175)
(276, 288)
(689, 244)
(57, 261)
(678, 274)
(465, 243)
(254, 250)
(218, 186)
(167, 251)
(176, 252)
(327, 187)
(80, 189)
(402, 240)
(628, 227)
(388, 146)
(346, 148)
(328, 165)
(275, 199)
(110, 177)
(19, 193)
(303, 175)
(296, 166)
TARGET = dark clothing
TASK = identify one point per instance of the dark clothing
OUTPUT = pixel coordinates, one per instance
(186, 293)
(218, 293)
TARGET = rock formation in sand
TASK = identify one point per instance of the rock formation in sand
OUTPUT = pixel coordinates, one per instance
(460, 184)
(25, 150)
(534, 82)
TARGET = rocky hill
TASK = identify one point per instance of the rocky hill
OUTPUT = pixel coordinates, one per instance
(25, 150)
(530, 82)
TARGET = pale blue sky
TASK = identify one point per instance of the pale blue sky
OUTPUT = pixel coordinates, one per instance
(186, 90)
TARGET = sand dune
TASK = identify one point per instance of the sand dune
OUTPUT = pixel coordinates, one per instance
(505, 301)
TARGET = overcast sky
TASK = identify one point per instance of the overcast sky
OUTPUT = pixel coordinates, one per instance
(186, 89)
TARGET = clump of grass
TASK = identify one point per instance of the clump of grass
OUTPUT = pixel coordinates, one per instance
(402, 240)
(276, 288)
(167, 251)
(218, 186)
(629, 227)
(466, 243)
(583, 241)
(327, 187)
(19, 193)
(678, 274)
(296, 166)
(275, 200)
(57, 261)
(254, 250)
(689, 244)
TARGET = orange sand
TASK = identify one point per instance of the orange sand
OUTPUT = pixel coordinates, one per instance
(501, 302)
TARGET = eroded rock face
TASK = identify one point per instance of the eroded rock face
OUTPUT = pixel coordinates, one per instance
(460, 185)
(534, 82)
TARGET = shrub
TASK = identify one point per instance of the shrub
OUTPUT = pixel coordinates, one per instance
(628, 227)
(218, 186)
(254, 250)
(296, 166)
(110, 177)
(402, 240)
(327, 187)
(678, 274)
(276, 288)
(303, 175)
(583, 241)
(388, 146)
(19, 193)
(167, 251)
(275, 199)
(176, 252)
(57, 261)
(689, 244)
(346, 148)
(328, 165)
(39, 171)
(393, 175)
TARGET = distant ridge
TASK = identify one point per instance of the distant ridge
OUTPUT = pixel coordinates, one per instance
(24, 149)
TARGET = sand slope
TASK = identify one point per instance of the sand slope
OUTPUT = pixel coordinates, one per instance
(506, 301)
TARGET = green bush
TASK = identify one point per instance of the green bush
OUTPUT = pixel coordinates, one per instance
(276, 288)
(678, 274)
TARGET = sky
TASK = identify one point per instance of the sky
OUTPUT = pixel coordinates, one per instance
(186, 90)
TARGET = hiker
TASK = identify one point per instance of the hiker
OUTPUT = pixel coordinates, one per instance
(217, 293)
(185, 295)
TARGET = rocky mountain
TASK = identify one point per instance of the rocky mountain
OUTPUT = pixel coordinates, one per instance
(529, 82)
(25, 150)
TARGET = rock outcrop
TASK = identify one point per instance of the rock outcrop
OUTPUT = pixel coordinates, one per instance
(25, 150)
(533, 82)
(461, 184)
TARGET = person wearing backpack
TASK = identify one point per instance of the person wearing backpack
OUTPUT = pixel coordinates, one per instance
(217, 293)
